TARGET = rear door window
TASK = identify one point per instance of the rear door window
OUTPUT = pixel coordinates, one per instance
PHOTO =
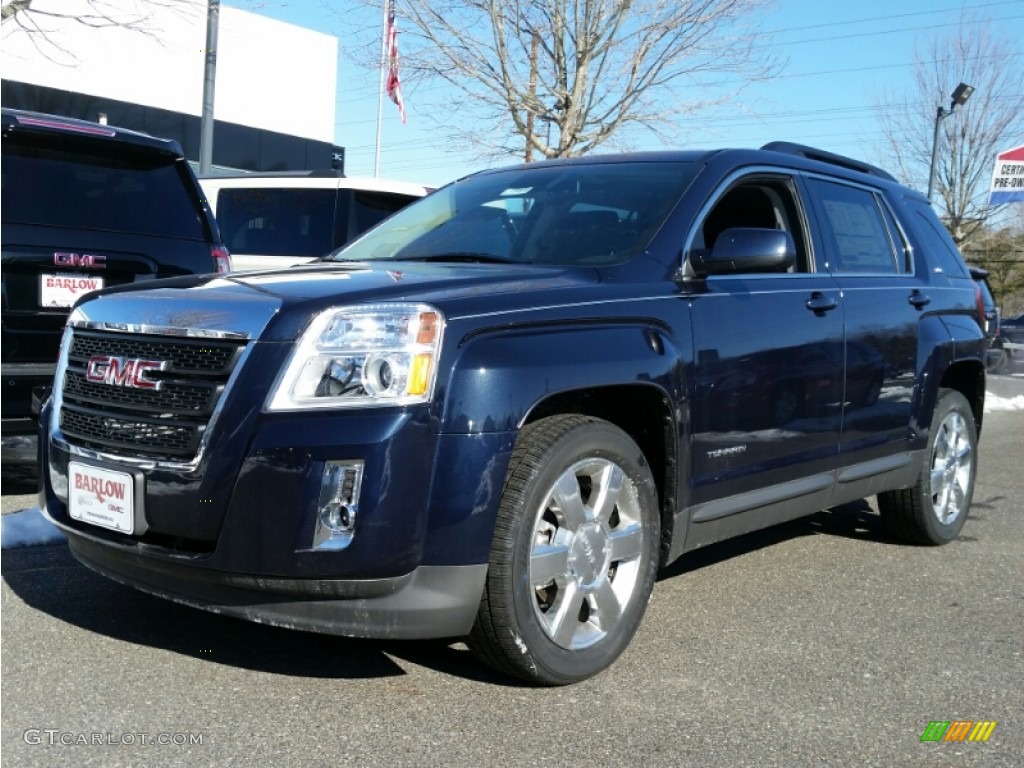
(86, 184)
(277, 222)
(855, 229)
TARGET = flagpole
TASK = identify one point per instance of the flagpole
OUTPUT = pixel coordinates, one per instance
(380, 88)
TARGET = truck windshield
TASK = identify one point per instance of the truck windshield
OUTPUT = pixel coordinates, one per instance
(579, 214)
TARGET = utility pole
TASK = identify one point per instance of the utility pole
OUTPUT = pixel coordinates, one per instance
(960, 96)
(209, 81)
(380, 90)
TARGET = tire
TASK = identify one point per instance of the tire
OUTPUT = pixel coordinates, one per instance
(934, 509)
(574, 554)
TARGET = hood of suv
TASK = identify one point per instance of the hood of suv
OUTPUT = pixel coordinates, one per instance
(242, 305)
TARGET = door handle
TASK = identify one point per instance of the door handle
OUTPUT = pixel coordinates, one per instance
(819, 303)
(918, 299)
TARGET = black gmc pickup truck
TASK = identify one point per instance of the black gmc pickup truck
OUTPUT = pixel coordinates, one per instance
(499, 412)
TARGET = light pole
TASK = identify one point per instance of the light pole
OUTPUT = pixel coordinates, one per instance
(960, 96)
(209, 80)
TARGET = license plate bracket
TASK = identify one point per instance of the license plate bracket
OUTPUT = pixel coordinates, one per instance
(104, 497)
(63, 290)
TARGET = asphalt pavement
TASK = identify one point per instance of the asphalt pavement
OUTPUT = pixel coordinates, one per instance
(816, 643)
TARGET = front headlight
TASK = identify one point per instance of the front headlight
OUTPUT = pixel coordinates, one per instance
(362, 356)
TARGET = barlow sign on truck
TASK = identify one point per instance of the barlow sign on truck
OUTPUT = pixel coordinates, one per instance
(1008, 178)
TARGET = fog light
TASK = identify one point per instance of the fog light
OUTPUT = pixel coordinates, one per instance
(338, 504)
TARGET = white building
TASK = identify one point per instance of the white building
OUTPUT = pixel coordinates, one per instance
(275, 90)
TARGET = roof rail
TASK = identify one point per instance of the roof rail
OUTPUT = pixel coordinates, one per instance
(811, 153)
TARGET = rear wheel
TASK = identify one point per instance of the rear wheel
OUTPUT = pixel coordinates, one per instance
(574, 553)
(934, 510)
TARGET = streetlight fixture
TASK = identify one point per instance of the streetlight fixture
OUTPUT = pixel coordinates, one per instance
(960, 96)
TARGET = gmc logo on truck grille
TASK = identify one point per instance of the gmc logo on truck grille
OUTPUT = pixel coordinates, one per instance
(123, 371)
(79, 260)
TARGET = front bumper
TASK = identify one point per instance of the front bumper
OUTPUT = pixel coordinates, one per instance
(430, 602)
(235, 534)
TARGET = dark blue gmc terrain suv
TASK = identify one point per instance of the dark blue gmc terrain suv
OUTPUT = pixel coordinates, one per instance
(499, 412)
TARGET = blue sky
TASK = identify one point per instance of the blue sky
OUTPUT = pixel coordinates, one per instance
(840, 60)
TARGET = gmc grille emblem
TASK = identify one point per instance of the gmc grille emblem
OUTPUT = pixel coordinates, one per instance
(123, 371)
(79, 260)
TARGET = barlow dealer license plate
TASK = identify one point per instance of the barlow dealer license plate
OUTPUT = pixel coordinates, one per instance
(101, 497)
(65, 290)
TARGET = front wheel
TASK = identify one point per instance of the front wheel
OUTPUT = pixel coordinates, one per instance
(574, 554)
(934, 509)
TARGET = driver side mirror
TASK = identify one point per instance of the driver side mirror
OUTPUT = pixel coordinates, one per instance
(746, 249)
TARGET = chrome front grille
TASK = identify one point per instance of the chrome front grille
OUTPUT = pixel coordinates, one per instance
(185, 354)
(164, 421)
(178, 397)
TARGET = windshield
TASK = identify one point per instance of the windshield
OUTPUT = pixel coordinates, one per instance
(586, 215)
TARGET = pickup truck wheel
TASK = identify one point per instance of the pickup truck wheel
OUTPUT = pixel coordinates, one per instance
(934, 510)
(574, 554)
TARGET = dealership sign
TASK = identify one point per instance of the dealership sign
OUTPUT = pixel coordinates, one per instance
(1008, 178)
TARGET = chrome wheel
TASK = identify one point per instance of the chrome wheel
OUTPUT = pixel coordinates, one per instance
(952, 467)
(574, 554)
(588, 539)
(934, 509)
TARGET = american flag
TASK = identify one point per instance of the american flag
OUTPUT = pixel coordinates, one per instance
(393, 87)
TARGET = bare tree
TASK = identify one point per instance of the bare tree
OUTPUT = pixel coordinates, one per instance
(563, 76)
(970, 138)
(40, 20)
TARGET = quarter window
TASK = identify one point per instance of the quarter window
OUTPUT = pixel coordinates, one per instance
(936, 240)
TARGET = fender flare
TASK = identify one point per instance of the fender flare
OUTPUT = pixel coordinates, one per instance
(499, 377)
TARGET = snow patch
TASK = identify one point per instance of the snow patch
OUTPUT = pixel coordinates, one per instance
(28, 528)
(996, 403)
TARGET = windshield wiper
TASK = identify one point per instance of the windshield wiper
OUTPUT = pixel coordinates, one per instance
(462, 256)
